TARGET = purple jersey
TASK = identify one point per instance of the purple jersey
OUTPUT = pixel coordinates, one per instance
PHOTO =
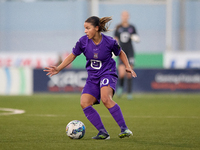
(99, 57)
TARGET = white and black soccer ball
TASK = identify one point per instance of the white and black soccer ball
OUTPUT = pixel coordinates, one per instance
(75, 129)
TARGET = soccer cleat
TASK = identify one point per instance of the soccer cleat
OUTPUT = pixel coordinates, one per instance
(129, 97)
(126, 133)
(102, 136)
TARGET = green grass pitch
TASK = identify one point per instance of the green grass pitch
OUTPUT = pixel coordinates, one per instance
(158, 122)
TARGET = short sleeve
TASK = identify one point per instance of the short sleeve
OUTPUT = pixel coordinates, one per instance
(116, 48)
(116, 33)
(77, 50)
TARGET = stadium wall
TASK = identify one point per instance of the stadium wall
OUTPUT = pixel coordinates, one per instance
(41, 60)
(175, 60)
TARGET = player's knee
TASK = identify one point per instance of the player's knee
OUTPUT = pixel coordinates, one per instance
(85, 103)
(105, 99)
(108, 102)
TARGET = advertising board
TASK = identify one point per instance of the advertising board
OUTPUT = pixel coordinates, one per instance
(148, 80)
(167, 80)
(68, 80)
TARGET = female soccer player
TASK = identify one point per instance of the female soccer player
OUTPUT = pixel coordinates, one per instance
(124, 34)
(102, 74)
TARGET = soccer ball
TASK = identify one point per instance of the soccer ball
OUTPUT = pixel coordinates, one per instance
(75, 129)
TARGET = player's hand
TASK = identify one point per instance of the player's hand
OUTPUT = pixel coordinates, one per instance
(52, 70)
(135, 38)
(132, 72)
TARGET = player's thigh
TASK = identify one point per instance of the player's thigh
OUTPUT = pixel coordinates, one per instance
(121, 70)
(87, 100)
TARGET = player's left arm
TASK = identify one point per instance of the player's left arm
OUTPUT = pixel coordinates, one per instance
(124, 59)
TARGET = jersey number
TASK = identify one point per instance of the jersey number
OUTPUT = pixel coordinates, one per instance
(124, 37)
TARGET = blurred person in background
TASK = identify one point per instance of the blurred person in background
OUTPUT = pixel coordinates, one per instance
(125, 33)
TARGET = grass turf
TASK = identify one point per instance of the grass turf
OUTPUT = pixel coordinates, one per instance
(158, 122)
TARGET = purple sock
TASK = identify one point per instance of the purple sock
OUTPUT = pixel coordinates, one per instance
(93, 116)
(117, 115)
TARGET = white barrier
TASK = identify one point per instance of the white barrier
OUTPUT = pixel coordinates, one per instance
(181, 60)
(16, 81)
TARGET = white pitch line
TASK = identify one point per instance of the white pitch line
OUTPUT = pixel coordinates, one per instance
(10, 111)
(106, 116)
(45, 115)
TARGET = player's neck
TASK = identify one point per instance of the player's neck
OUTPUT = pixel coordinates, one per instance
(125, 24)
(97, 39)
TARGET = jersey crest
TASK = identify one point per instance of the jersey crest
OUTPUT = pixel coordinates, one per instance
(95, 55)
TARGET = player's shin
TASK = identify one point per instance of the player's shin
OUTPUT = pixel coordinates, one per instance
(93, 116)
(118, 116)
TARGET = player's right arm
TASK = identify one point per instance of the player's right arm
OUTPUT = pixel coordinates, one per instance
(52, 70)
(124, 59)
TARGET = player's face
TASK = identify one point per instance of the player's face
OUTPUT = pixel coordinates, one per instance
(90, 30)
(125, 16)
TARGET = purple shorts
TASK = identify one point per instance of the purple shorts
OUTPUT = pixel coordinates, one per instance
(93, 87)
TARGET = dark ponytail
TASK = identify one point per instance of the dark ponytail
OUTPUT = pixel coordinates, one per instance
(101, 22)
